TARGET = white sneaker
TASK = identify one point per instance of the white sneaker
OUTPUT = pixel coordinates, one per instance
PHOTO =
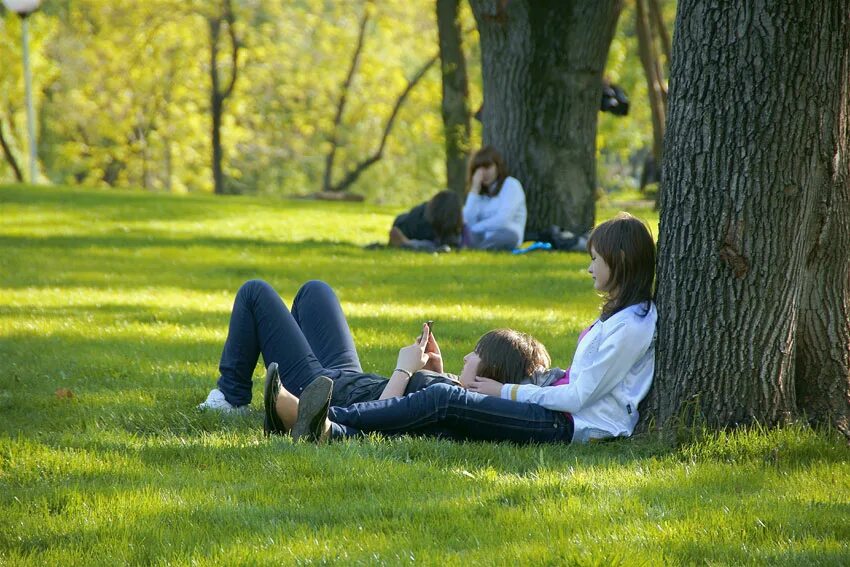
(216, 401)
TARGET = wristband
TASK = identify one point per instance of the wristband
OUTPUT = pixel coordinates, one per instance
(514, 389)
(409, 374)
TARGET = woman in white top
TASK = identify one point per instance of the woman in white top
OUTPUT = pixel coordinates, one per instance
(494, 213)
(596, 398)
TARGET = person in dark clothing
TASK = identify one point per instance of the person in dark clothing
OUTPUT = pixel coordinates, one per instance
(430, 225)
(311, 340)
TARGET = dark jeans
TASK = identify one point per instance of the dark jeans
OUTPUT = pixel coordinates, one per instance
(450, 411)
(312, 340)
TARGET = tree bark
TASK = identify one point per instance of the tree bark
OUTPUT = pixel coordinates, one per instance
(823, 334)
(455, 104)
(217, 95)
(754, 234)
(542, 63)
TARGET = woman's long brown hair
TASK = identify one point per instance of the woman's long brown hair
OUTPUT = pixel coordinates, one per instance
(626, 245)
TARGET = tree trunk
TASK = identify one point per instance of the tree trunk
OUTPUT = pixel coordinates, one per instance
(542, 63)
(823, 334)
(216, 109)
(654, 81)
(455, 103)
(217, 95)
(754, 159)
(657, 19)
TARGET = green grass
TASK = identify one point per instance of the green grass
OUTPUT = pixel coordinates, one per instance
(123, 298)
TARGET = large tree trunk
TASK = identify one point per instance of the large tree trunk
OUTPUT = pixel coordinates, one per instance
(542, 63)
(823, 350)
(455, 104)
(753, 160)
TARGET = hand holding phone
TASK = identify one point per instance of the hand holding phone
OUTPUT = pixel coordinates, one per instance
(432, 350)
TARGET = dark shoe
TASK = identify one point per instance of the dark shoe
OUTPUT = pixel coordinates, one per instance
(271, 422)
(313, 411)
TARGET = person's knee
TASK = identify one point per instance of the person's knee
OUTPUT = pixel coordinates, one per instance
(252, 288)
(313, 288)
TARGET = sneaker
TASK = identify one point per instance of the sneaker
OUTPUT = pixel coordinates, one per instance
(216, 402)
(272, 424)
(313, 411)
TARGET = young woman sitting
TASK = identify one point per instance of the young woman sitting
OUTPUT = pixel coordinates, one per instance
(494, 213)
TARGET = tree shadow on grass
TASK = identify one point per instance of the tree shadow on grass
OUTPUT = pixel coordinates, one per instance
(222, 264)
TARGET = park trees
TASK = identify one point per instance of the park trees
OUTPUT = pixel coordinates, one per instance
(542, 64)
(754, 268)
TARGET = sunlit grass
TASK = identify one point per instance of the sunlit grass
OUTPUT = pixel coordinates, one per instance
(122, 299)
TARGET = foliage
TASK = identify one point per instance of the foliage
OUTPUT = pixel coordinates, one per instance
(125, 95)
(122, 299)
(122, 95)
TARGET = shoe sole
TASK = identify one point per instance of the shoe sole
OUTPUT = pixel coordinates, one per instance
(313, 403)
(271, 422)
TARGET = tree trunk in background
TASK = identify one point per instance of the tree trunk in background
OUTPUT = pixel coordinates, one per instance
(656, 17)
(654, 80)
(455, 104)
(542, 63)
(217, 95)
(753, 261)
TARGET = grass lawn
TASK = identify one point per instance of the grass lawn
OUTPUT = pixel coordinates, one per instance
(122, 300)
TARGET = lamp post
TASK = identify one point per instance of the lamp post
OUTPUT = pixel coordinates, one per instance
(24, 8)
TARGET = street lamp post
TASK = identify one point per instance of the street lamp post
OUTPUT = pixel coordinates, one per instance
(24, 8)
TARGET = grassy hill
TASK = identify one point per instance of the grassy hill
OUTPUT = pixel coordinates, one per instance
(113, 312)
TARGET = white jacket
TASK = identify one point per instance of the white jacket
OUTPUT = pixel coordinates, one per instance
(611, 373)
(506, 210)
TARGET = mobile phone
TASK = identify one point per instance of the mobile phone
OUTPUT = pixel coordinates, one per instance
(430, 324)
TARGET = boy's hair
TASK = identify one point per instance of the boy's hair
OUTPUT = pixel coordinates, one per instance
(444, 212)
(626, 245)
(484, 157)
(508, 356)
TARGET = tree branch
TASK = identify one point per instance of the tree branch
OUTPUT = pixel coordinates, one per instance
(7, 151)
(658, 23)
(329, 160)
(234, 43)
(354, 173)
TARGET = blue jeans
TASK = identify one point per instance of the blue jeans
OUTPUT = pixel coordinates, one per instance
(500, 239)
(312, 340)
(443, 410)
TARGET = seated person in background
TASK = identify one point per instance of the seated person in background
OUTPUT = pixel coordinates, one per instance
(495, 211)
(431, 225)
